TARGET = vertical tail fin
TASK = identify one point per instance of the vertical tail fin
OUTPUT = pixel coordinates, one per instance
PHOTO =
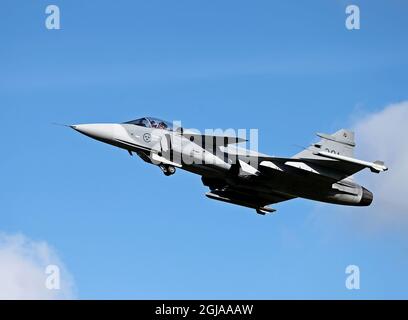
(340, 142)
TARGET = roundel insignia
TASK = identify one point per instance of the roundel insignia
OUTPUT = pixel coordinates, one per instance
(147, 137)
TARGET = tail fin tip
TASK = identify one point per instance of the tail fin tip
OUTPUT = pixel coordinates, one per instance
(343, 136)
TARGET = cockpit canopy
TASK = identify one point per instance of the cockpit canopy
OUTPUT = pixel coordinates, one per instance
(150, 122)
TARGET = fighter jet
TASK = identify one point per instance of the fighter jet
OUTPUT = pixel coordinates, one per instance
(321, 172)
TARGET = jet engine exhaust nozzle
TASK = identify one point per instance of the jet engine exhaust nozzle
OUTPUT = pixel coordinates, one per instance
(366, 198)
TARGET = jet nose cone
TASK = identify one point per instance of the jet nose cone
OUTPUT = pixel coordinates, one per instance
(98, 131)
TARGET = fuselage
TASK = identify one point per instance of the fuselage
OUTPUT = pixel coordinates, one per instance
(170, 147)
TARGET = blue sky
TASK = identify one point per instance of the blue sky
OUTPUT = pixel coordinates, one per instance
(122, 228)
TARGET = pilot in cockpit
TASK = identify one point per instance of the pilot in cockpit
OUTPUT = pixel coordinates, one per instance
(152, 123)
(162, 125)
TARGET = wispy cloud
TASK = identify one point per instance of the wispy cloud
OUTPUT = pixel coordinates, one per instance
(384, 135)
(23, 264)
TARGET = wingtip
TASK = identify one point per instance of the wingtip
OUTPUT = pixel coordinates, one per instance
(380, 165)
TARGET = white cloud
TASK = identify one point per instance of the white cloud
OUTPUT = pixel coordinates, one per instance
(384, 135)
(23, 265)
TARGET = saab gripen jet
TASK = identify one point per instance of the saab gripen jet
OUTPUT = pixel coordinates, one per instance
(321, 172)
